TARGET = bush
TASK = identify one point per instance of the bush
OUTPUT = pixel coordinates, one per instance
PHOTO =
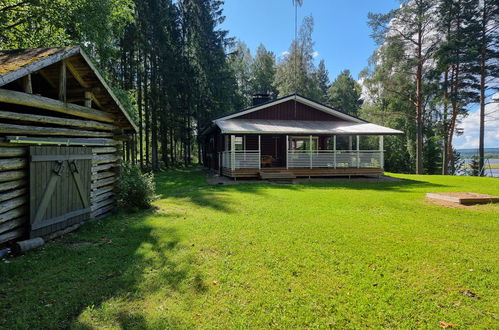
(135, 188)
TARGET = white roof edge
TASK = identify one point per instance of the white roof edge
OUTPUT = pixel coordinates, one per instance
(304, 133)
(299, 98)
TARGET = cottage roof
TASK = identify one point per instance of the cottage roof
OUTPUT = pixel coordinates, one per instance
(239, 123)
(265, 126)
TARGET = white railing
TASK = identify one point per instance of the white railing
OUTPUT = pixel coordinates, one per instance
(335, 159)
(241, 159)
(307, 159)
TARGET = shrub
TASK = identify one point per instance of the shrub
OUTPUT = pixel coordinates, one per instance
(135, 188)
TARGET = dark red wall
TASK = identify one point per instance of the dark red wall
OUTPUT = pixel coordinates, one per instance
(287, 111)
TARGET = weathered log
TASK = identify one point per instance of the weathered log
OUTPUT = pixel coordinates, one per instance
(101, 191)
(12, 204)
(12, 194)
(61, 141)
(12, 214)
(27, 245)
(101, 197)
(56, 120)
(102, 175)
(11, 175)
(103, 167)
(39, 130)
(12, 185)
(104, 210)
(6, 152)
(9, 164)
(101, 204)
(105, 158)
(11, 235)
(104, 150)
(101, 183)
(63, 231)
(46, 103)
(9, 225)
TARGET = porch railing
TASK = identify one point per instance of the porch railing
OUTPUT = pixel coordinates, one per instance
(241, 159)
(335, 159)
(307, 159)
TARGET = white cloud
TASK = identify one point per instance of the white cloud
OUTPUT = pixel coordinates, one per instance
(285, 53)
(315, 54)
(471, 129)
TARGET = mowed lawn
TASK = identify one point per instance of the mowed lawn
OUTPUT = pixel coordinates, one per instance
(347, 254)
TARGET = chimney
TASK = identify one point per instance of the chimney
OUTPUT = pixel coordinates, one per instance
(260, 99)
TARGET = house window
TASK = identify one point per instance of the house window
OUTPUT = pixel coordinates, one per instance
(303, 143)
(238, 143)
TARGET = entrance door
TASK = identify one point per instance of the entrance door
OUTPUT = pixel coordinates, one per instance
(59, 188)
(273, 150)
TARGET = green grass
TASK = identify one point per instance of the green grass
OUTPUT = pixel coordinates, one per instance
(342, 255)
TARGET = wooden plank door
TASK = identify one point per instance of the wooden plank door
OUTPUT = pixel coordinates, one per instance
(59, 187)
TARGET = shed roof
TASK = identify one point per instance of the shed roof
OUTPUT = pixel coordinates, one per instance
(19, 63)
(263, 126)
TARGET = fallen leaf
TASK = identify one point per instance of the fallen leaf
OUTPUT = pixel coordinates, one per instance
(456, 303)
(469, 293)
(198, 315)
(446, 325)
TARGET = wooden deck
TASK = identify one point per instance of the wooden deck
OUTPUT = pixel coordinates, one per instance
(301, 172)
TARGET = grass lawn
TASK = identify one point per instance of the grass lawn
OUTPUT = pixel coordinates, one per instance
(342, 255)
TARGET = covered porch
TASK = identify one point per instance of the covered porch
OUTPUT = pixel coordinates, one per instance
(265, 155)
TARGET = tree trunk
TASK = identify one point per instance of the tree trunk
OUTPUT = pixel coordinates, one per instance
(419, 104)
(483, 75)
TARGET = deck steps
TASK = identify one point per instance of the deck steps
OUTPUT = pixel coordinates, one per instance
(275, 176)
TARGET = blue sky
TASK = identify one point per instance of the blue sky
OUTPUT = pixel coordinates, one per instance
(341, 33)
(341, 36)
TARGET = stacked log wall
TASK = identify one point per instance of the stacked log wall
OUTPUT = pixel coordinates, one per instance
(14, 162)
(13, 192)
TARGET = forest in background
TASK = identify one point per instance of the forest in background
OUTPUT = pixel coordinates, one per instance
(175, 69)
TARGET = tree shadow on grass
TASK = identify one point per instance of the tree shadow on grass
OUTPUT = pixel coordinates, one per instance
(192, 184)
(52, 286)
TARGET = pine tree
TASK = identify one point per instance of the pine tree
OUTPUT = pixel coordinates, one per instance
(345, 94)
(263, 72)
(322, 77)
(410, 27)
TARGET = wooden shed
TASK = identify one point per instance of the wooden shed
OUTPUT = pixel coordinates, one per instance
(62, 134)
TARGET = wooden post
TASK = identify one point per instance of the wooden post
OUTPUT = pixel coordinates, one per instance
(88, 99)
(62, 82)
(259, 152)
(381, 152)
(233, 152)
(27, 86)
(287, 151)
(334, 150)
(310, 150)
(358, 153)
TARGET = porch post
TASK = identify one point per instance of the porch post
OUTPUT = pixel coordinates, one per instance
(358, 153)
(381, 152)
(233, 152)
(287, 151)
(259, 152)
(334, 150)
(310, 150)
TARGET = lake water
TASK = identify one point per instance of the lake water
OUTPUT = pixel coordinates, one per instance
(494, 172)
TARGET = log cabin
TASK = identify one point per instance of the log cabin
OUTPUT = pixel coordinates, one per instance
(63, 134)
(291, 137)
